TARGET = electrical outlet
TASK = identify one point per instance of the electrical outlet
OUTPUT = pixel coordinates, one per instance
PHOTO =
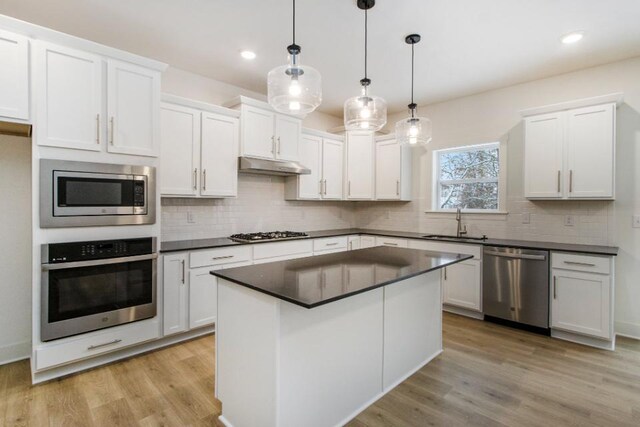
(636, 221)
(569, 220)
(190, 218)
(526, 218)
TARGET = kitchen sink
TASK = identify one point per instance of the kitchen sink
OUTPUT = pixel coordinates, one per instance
(449, 237)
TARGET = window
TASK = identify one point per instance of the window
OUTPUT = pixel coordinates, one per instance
(468, 178)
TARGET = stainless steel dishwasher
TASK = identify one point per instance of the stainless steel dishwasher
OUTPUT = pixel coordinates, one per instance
(515, 287)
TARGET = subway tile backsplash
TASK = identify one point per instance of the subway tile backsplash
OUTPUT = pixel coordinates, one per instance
(260, 206)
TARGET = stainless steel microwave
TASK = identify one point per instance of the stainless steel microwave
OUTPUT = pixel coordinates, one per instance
(80, 194)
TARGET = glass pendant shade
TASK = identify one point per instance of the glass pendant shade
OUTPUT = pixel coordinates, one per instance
(294, 89)
(365, 112)
(414, 131)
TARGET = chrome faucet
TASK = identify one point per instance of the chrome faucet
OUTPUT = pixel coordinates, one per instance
(461, 230)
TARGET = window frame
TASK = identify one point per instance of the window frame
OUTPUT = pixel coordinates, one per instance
(501, 179)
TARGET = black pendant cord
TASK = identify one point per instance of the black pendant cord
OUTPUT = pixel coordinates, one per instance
(412, 69)
(294, 21)
(365, 44)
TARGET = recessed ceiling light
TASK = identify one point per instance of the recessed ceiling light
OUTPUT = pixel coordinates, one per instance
(574, 37)
(247, 54)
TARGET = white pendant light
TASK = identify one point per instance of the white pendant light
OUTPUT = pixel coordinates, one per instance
(365, 112)
(294, 88)
(413, 130)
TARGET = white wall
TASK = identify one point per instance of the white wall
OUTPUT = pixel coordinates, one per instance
(494, 116)
(260, 204)
(15, 248)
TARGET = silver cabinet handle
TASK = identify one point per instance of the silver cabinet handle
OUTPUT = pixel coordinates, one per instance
(559, 181)
(279, 145)
(585, 264)
(109, 261)
(555, 294)
(331, 244)
(204, 179)
(390, 244)
(195, 179)
(570, 181)
(223, 257)
(93, 347)
(98, 129)
(516, 256)
(397, 187)
(349, 188)
(445, 273)
(111, 137)
(350, 248)
(325, 187)
(183, 272)
(273, 144)
(320, 191)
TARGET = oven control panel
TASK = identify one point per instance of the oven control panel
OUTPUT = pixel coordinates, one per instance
(100, 249)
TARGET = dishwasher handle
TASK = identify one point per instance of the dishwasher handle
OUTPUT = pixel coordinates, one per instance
(516, 256)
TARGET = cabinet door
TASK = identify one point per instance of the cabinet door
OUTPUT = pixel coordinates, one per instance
(14, 76)
(133, 106)
(461, 283)
(581, 302)
(388, 170)
(332, 281)
(203, 297)
(590, 151)
(68, 97)
(367, 242)
(288, 134)
(353, 243)
(258, 133)
(175, 298)
(219, 155)
(332, 167)
(359, 183)
(543, 163)
(180, 150)
(310, 156)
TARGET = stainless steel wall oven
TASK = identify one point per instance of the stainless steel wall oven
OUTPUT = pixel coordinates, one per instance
(77, 194)
(94, 285)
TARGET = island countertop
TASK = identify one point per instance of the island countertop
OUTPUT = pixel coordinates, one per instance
(317, 280)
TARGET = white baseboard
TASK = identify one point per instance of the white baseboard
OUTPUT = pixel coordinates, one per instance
(628, 330)
(463, 312)
(584, 340)
(14, 352)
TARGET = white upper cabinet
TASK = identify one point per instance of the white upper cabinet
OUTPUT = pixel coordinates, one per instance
(265, 133)
(332, 169)
(258, 132)
(133, 109)
(570, 154)
(310, 186)
(68, 97)
(180, 150)
(324, 156)
(590, 151)
(199, 149)
(543, 156)
(359, 165)
(219, 155)
(393, 171)
(288, 131)
(14, 76)
(73, 112)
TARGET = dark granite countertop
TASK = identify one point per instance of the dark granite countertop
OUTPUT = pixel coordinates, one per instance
(185, 245)
(317, 280)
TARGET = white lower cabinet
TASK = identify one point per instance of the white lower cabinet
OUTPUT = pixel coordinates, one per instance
(203, 297)
(462, 285)
(367, 242)
(175, 293)
(391, 241)
(353, 242)
(582, 300)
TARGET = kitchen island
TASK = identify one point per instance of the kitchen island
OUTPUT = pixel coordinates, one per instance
(314, 341)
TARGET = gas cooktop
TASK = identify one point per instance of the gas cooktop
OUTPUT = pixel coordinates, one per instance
(268, 236)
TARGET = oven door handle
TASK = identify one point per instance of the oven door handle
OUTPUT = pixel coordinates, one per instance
(108, 261)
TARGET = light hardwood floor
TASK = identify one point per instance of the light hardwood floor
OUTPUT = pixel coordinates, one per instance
(488, 375)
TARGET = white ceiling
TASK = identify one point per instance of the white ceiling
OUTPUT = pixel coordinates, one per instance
(468, 46)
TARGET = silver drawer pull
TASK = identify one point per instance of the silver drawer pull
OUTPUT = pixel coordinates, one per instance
(223, 257)
(93, 347)
(390, 244)
(585, 264)
(331, 244)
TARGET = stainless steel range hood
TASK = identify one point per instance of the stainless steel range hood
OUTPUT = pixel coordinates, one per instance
(15, 129)
(271, 167)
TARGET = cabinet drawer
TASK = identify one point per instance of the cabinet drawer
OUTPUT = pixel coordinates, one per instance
(391, 241)
(282, 249)
(430, 245)
(330, 243)
(577, 262)
(83, 347)
(220, 256)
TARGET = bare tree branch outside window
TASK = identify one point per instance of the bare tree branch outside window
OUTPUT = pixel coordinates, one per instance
(468, 178)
